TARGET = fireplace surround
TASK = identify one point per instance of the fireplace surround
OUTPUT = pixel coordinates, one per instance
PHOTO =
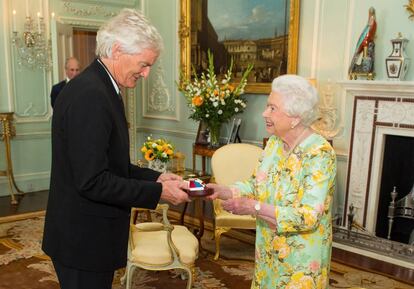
(375, 110)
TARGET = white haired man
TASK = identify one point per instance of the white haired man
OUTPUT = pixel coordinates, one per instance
(72, 69)
(93, 184)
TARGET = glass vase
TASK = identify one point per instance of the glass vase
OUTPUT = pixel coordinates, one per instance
(214, 134)
(158, 165)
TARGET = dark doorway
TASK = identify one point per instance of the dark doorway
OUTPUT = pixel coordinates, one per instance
(84, 45)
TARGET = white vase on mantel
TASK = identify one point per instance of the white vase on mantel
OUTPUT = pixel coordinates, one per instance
(158, 165)
(397, 63)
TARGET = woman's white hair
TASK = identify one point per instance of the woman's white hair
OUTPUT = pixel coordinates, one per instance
(299, 97)
(132, 30)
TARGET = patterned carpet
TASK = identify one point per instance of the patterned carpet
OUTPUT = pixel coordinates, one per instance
(23, 265)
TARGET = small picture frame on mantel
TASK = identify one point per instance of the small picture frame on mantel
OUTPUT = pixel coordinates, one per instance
(234, 131)
(203, 134)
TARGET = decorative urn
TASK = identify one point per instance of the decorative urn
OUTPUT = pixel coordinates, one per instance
(397, 63)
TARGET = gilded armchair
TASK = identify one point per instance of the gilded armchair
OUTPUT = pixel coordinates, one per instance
(231, 163)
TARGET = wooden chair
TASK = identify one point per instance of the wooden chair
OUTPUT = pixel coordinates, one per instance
(231, 163)
(158, 245)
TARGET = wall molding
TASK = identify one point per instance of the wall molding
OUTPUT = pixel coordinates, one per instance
(32, 135)
(29, 182)
(115, 3)
(316, 40)
(171, 132)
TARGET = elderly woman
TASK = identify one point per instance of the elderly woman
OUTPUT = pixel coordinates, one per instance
(290, 192)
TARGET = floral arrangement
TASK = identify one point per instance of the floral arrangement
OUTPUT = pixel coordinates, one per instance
(212, 100)
(157, 149)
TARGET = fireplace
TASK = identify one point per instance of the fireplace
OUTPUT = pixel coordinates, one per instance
(380, 109)
(398, 172)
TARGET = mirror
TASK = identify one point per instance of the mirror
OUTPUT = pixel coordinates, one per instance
(269, 38)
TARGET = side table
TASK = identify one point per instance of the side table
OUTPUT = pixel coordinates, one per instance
(203, 151)
(7, 133)
(199, 203)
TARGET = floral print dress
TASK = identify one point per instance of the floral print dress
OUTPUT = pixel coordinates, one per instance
(296, 254)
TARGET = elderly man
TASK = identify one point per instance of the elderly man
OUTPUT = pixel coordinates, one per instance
(93, 184)
(71, 70)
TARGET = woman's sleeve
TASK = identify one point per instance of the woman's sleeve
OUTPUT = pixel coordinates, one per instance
(314, 195)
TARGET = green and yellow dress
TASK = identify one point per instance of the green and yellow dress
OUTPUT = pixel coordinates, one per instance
(296, 254)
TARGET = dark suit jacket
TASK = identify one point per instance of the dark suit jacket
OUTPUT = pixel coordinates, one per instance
(93, 185)
(56, 89)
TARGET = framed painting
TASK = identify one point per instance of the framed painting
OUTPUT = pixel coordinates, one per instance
(261, 32)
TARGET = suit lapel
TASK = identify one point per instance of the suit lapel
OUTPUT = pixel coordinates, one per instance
(115, 100)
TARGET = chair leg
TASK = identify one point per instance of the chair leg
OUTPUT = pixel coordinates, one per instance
(191, 273)
(129, 275)
(217, 234)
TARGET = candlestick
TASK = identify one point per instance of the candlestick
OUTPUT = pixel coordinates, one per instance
(14, 21)
(27, 8)
(41, 7)
(38, 23)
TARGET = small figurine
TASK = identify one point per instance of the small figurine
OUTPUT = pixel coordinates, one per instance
(362, 63)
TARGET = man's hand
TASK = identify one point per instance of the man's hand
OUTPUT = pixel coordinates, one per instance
(168, 177)
(220, 191)
(172, 192)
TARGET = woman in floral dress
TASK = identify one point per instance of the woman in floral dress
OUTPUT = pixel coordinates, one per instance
(290, 192)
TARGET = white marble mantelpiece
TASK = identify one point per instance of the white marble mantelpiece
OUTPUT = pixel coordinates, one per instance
(380, 108)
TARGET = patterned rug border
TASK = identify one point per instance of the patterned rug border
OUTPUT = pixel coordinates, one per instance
(22, 216)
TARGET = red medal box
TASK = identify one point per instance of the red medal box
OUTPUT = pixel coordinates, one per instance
(197, 188)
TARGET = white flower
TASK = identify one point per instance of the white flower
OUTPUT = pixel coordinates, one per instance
(164, 155)
(215, 104)
(154, 145)
(236, 109)
(220, 111)
(207, 115)
(224, 81)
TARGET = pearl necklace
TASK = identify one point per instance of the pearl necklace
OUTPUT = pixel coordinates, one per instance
(295, 143)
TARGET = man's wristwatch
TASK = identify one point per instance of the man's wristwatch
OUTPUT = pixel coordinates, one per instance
(257, 208)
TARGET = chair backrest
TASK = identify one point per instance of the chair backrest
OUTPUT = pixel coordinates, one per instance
(234, 162)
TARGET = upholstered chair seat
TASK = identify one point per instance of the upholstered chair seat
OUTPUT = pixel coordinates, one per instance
(150, 247)
(160, 246)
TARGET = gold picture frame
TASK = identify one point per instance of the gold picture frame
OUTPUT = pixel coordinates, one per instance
(259, 87)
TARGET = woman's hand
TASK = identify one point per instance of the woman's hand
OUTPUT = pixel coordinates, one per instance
(240, 206)
(220, 192)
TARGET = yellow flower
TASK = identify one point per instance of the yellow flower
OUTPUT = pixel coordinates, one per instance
(149, 155)
(197, 100)
(309, 215)
(284, 251)
(278, 242)
(300, 281)
(157, 149)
